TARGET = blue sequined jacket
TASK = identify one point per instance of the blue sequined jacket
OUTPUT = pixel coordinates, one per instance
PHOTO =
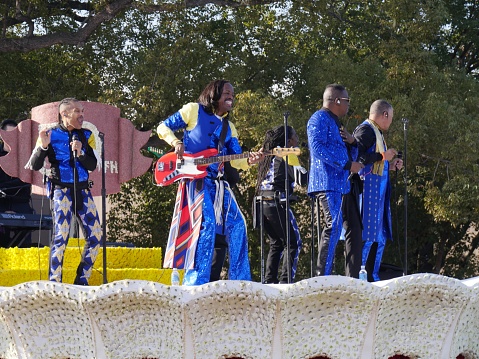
(330, 160)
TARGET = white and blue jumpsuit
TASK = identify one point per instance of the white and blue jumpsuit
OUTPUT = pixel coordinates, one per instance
(70, 196)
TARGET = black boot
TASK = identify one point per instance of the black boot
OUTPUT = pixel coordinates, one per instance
(78, 280)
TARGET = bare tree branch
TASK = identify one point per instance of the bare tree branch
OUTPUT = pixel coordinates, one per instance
(196, 3)
(80, 36)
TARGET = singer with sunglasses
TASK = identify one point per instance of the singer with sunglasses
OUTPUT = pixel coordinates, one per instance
(69, 149)
(378, 161)
(332, 160)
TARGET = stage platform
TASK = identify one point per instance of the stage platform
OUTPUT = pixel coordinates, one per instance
(417, 316)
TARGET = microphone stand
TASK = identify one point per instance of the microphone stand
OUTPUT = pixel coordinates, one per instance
(75, 219)
(313, 201)
(286, 185)
(405, 122)
(318, 223)
(75, 198)
(103, 203)
(261, 232)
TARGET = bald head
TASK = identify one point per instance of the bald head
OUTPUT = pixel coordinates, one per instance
(382, 113)
(379, 106)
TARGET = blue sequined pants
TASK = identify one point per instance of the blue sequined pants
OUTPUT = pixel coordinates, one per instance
(331, 205)
(236, 237)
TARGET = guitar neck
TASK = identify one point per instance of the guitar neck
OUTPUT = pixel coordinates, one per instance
(275, 152)
(205, 161)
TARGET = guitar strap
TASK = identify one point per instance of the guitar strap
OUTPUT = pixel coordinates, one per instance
(230, 173)
(224, 130)
(218, 203)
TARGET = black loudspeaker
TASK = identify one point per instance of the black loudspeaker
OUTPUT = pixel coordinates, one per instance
(389, 271)
(386, 271)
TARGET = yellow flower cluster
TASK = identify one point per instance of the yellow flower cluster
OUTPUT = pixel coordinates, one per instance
(19, 265)
(23, 258)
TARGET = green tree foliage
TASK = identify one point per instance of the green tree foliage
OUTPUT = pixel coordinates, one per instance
(458, 43)
(29, 80)
(151, 58)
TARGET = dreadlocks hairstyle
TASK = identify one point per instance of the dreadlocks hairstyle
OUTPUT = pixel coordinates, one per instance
(211, 95)
(274, 138)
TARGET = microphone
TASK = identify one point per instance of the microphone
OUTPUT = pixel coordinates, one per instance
(350, 176)
(399, 155)
(361, 161)
(75, 138)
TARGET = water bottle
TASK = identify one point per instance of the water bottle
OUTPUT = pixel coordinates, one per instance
(175, 277)
(363, 275)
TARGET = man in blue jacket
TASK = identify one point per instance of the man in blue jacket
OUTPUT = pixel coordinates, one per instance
(333, 153)
(69, 149)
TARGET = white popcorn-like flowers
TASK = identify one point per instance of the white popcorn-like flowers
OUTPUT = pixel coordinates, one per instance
(423, 315)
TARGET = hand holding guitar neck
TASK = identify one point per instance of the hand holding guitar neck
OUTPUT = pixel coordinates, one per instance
(255, 157)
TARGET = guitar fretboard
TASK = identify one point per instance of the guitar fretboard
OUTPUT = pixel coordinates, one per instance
(205, 161)
(276, 152)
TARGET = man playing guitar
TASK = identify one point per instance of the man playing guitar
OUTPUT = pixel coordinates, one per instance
(207, 220)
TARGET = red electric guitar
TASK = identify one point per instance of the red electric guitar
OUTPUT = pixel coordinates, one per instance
(169, 169)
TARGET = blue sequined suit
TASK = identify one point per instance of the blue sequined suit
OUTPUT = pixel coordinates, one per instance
(376, 210)
(202, 131)
(328, 178)
(67, 202)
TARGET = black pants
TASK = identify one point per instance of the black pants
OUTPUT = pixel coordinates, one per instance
(371, 260)
(219, 256)
(274, 215)
(352, 223)
(353, 230)
(324, 239)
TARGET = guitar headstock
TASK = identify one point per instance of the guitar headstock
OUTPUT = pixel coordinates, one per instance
(280, 151)
(155, 151)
